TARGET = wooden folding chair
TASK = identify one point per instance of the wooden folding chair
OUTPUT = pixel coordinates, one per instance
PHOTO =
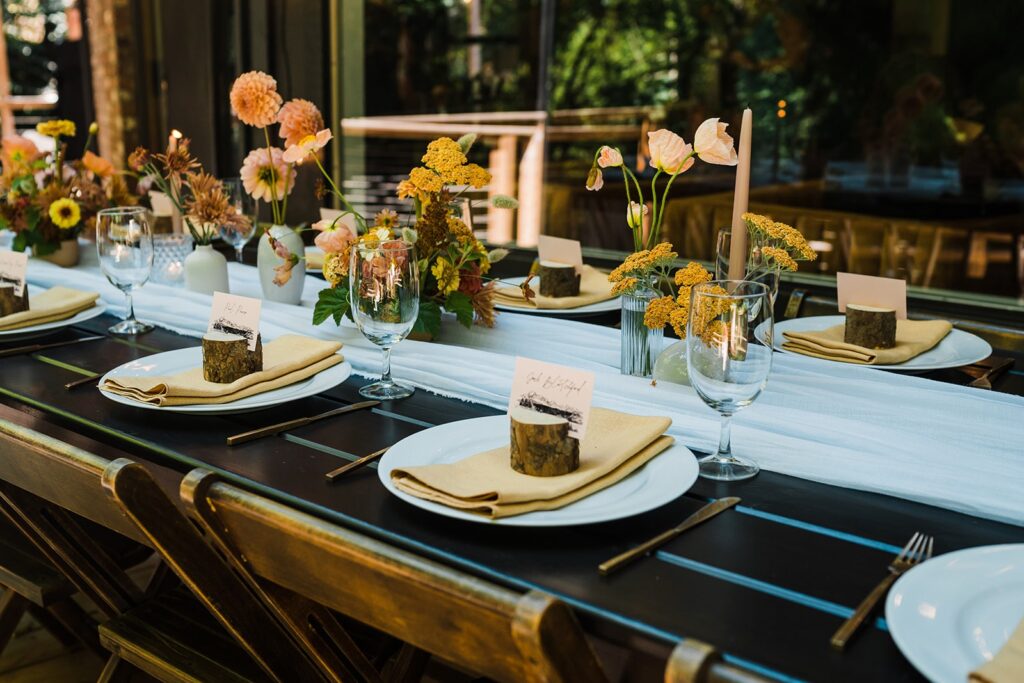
(164, 632)
(695, 662)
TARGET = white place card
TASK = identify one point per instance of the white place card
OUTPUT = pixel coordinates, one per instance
(560, 250)
(161, 203)
(867, 290)
(233, 314)
(555, 390)
(13, 267)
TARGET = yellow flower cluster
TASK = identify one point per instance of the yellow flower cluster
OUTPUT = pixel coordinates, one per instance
(65, 213)
(781, 236)
(445, 164)
(336, 267)
(779, 257)
(624, 285)
(711, 308)
(444, 155)
(425, 180)
(56, 128)
(693, 274)
(658, 312)
(446, 274)
(643, 262)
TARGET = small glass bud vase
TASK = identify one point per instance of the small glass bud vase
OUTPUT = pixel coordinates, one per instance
(640, 344)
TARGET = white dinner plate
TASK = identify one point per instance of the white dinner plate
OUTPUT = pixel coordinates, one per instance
(663, 479)
(171, 362)
(953, 613)
(50, 327)
(606, 306)
(957, 349)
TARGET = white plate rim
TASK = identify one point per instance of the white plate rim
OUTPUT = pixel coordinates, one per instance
(46, 328)
(318, 383)
(606, 306)
(928, 666)
(918, 364)
(497, 424)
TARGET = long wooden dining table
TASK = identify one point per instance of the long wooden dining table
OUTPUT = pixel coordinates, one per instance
(767, 583)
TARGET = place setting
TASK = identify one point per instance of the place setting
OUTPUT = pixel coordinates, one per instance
(27, 311)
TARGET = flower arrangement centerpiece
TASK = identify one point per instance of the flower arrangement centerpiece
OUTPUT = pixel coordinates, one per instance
(641, 275)
(47, 200)
(453, 264)
(203, 203)
(772, 248)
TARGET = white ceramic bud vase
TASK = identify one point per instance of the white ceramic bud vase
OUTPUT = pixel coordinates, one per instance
(267, 261)
(206, 271)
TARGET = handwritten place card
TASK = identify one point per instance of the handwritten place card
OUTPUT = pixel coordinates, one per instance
(13, 266)
(233, 314)
(560, 250)
(867, 290)
(161, 203)
(555, 390)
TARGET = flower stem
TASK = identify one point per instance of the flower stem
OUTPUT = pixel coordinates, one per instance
(274, 208)
(649, 242)
(338, 194)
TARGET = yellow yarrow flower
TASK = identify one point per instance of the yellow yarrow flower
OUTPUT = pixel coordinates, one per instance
(446, 275)
(693, 274)
(56, 128)
(444, 155)
(659, 311)
(425, 180)
(65, 213)
(780, 256)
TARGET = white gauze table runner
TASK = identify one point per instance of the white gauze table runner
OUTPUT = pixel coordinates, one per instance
(936, 443)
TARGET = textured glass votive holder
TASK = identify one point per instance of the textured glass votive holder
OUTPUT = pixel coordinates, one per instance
(169, 252)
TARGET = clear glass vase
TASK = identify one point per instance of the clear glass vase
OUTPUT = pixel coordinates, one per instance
(640, 345)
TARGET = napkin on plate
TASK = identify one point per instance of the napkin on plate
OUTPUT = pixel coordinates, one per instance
(913, 337)
(56, 303)
(286, 360)
(594, 287)
(614, 446)
(1008, 664)
(315, 258)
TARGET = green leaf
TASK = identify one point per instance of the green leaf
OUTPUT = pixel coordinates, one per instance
(332, 302)
(20, 242)
(466, 142)
(429, 320)
(462, 306)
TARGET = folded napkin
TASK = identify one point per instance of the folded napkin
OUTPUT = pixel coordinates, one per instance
(315, 258)
(614, 446)
(56, 303)
(594, 287)
(286, 360)
(913, 337)
(1008, 664)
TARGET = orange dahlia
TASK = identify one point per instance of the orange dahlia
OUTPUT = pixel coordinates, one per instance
(254, 99)
(299, 118)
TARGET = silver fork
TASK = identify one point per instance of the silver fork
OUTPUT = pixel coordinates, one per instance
(917, 550)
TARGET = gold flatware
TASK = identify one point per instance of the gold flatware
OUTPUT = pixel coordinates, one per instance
(917, 550)
(297, 422)
(32, 348)
(84, 380)
(702, 515)
(355, 464)
(985, 380)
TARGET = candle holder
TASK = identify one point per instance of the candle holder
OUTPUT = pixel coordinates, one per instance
(169, 258)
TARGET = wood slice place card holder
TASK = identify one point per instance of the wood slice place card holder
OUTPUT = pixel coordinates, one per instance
(872, 306)
(232, 345)
(558, 267)
(10, 301)
(548, 411)
(13, 291)
(870, 326)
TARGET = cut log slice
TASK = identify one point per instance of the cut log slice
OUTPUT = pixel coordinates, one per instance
(558, 279)
(226, 357)
(11, 302)
(540, 444)
(870, 327)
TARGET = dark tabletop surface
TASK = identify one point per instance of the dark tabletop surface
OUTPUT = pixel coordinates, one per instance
(767, 583)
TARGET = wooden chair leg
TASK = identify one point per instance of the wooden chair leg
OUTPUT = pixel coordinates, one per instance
(53, 626)
(74, 618)
(116, 671)
(12, 607)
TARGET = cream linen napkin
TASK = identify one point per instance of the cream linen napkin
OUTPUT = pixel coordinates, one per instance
(594, 287)
(913, 337)
(1008, 664)
(56, 303)
(286, 360)
(615, 445)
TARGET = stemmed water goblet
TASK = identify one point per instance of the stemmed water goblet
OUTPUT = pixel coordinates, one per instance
(384, 293)
(243, 204)
(728, 366)
(124, 243)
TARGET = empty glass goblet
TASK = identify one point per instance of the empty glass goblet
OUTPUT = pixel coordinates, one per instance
(244, 205)
(728, 366)
(124, 243)
(384, 292)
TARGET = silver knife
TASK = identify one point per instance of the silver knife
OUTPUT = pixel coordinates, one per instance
(297, 422)
(702, 515)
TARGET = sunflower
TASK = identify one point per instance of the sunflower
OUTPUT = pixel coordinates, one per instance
(65, 213)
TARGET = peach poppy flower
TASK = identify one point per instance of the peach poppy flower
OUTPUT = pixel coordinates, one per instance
(669, 152)
(333, 240)
(635, 214)
(97, 164)
(595, 179)
(608, 156)
(311, 144)
(18, 149)
(713, 145)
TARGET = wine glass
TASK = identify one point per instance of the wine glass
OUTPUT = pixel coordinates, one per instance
(124, 243)
(244, 205)
(728, 366)
(384, 292)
